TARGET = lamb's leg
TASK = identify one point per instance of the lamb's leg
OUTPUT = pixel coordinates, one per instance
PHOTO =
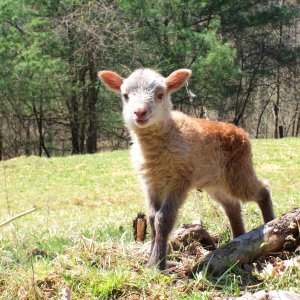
(264, 202)
(163, 224)
(233, 209)
(152, 211)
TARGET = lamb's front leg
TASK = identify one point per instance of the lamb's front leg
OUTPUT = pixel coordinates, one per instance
(154, 206)
(163, 224)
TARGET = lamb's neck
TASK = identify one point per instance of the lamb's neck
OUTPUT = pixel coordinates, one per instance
(149, 138)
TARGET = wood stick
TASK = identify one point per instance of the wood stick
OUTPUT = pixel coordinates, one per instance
(18, 216)
(140, 227)
(279, 234)
(140, 230)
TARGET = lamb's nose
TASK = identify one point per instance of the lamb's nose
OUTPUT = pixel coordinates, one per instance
(140, 112)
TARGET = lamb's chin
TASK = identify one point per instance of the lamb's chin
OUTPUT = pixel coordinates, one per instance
(143, 124)
(138, 124)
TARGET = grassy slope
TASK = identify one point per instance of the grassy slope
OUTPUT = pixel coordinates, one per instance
(98, 196)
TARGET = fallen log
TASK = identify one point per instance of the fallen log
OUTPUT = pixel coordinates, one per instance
(280, 234)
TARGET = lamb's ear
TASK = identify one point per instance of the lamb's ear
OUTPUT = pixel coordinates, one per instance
(177, 79)
(111, 80)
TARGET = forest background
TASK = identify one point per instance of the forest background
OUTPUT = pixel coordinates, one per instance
(244, 56)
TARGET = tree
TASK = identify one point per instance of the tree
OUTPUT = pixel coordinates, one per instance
(244, 56)
(179, 38)
(91, 32)
(257, 32)
(28, 68)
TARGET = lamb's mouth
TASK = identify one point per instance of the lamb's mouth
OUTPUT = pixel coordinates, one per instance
(142, 122)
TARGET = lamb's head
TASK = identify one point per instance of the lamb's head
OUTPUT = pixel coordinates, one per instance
(145, 95)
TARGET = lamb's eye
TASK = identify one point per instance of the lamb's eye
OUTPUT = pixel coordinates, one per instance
(126, 97)
(160, 96)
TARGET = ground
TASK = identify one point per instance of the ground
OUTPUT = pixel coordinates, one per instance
(80, 237)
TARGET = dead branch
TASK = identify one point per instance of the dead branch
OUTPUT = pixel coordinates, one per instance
(18, 216)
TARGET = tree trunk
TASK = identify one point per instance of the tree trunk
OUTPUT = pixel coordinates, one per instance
(277, 104)
(84, 108)
(72, 104)
(92, 115)
(245, 99)
(27, 138)
(294, 120)
(1, 140)
(260, 118)
(298, 126)
(73, 111)
(280, 131)
(39, 120)
(281, 233)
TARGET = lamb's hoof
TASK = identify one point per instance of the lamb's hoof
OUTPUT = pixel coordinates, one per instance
(156, 266)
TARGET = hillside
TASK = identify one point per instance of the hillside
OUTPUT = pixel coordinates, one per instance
(97, 197)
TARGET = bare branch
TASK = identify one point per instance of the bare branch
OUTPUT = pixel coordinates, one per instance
(18, 216)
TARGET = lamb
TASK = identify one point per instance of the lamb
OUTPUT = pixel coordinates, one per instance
(174, 152)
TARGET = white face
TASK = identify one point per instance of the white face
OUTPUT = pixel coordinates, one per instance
(145, 100)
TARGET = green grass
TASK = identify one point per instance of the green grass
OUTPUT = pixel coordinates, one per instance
(98, 196)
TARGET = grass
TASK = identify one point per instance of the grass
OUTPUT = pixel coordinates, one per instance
(87, 198)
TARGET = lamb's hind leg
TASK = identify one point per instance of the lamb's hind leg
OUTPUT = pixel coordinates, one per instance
(264, 202)
(244, 185)
(233, 209)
